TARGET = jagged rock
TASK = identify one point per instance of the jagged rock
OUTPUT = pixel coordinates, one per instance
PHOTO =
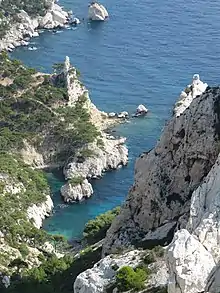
(123, 114)
(97, 12)
(71, 193)
(203, 253)
(112, 155)
(166, 177)
(97, 279)
(196, 88)
(38, 212)
(189, 264)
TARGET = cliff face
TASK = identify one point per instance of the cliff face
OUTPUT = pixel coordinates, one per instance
(165, 178)
(194, 254)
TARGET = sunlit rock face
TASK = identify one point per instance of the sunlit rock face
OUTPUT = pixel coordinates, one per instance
(166, 177)
(97, 12)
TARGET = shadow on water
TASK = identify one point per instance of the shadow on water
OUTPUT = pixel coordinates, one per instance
(95, 25)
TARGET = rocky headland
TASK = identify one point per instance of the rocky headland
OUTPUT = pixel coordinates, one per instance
(19, 22)
(53, 125)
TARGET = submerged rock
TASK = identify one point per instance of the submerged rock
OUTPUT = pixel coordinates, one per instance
(97, 12)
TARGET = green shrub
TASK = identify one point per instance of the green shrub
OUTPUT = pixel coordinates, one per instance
(23, 250)
(87, 153)
(149, 258)
(159, 251)
(127, 279)
(76, 180)
(96, 229)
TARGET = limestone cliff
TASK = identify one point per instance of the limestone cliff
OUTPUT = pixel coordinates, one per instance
(194, 254)
(165, 177)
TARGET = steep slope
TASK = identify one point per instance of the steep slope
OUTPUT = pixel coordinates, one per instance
(45, 121)
(165, 177)
(194, 254)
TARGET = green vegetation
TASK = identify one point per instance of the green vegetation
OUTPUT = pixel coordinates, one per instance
(54, 275)
(96, 229)
(9, 11)
(76, 180)
(152, 255)
(36, 114)
(87, 153)
(128, 278)
(33, 189)
(32, 7)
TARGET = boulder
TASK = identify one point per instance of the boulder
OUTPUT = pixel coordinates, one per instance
(141, 109)
(111, 114)
(123, 114)
(97, 12)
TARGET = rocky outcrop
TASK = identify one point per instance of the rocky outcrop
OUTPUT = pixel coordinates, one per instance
(196, 88)
(194, 253)
(38, 212)
(97, 12)
(92, 160)
(27, 26)
(102, 275)
(111, 155)
(166, 177)
(76, 192)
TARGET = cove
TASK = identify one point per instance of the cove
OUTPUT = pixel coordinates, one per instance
(145, 54)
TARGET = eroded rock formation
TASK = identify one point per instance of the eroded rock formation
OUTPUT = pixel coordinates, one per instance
(165, 177)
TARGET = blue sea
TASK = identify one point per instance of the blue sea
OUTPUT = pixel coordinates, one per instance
(145, 54)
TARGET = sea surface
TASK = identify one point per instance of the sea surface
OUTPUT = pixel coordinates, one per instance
(145, 54)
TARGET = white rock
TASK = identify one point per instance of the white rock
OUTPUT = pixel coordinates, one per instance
(110, 156)
(40, 211)
(78, 192)
(141, 109)
(166, 176)
(195, 89)
(189, 264)
(59, 17)
(123, 114)
(103, 273)
(97, 12)
(111, 114)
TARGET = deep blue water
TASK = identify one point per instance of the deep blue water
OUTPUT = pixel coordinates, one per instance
(146, 53)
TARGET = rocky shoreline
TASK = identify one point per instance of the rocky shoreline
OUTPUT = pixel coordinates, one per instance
(20, 32)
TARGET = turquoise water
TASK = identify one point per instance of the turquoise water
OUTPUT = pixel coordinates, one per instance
(146, 53)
